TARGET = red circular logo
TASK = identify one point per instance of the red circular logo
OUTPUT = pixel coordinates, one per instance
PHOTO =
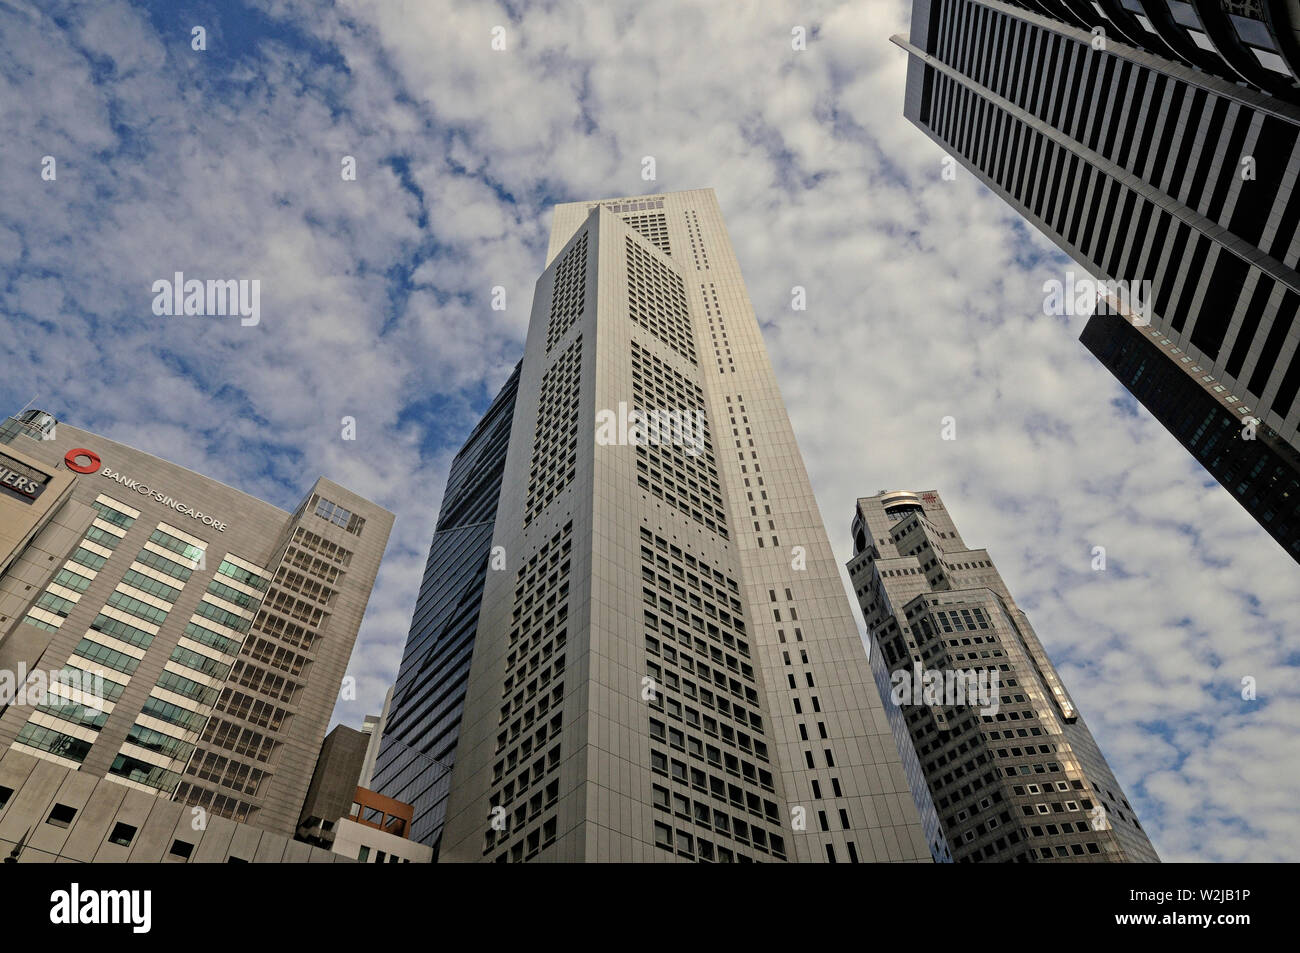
(72, 456)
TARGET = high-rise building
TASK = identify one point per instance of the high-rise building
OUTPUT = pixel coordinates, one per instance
(422, 718)
(1252, 42)
(193, 638)
(1263, 473)
(1005, 757)
(1170, 184)
(664, 666)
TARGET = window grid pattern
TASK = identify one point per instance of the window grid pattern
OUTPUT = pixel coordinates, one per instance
(88, 564)
(568, 292)
(110, 628)
(656, 300)
(528, 744)
(686, 481)
(714, 795)
(718, 330)
(244, 730)
(696, 237)
(653, 228)
(1156, 127)
(555, 443)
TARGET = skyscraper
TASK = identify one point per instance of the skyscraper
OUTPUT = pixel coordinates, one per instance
(1263, 473)
(664, 665)
(1252, 42)
(1144, 168)
(220, 626)
(1005, 756)
(422, 728)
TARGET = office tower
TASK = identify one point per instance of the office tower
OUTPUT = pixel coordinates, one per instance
(664, 667)
(1263, 473)
(1008, 762)
(1253, 42)
(418, 745)
(220, 624)
(1144, 169)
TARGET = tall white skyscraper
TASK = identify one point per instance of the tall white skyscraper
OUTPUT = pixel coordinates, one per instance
(666, 665)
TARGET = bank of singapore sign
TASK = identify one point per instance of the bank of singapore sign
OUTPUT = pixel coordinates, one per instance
(82, 460)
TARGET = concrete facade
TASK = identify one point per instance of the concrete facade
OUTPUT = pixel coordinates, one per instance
(366, 845)
(342, 815)
(334, 782)
(665, 667)
(221, 625)
(373, 729)
(1012, 771)
(50, 813)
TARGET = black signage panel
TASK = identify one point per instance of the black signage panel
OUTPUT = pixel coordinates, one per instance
(20, 482)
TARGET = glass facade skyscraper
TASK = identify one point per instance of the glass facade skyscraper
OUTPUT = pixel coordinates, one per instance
(418, 746)
(1262, 473)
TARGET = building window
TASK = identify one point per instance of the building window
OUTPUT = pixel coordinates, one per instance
(339, 516)
(61, 815)
(122, 834)
(663, 835)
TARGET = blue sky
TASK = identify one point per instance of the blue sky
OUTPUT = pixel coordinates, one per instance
(924, 301)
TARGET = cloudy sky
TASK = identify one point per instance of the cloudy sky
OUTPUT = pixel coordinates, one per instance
(924, 300)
